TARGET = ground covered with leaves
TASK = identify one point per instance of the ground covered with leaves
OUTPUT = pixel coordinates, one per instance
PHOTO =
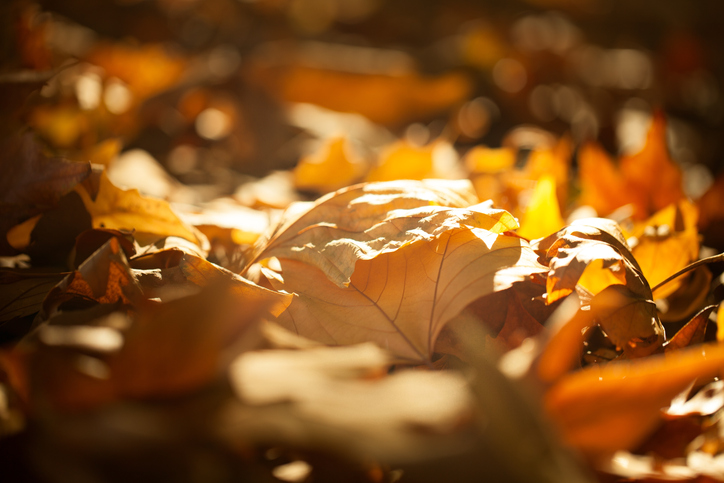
(330, 241)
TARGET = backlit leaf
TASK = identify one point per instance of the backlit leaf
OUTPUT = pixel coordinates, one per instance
(117, 209)
(334, 166)
(666, 243)
(359, 222)
(543, 214)
(605, 408)
(570, 252)
(402, 299)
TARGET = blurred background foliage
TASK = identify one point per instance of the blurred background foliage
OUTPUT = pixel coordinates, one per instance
(214, 90)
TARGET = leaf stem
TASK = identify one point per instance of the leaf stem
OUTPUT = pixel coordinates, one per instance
(692, 266)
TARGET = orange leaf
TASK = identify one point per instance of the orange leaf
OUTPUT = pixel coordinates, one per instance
(332, 167)
(602, 409)
(651, 174)
(666, 243)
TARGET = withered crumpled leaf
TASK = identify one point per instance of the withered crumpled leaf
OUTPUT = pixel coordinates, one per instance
(112, 207)
(104, 277)
(383, 263)
(571, 252)
(361, 221)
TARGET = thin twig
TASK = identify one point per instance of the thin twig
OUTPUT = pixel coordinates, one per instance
(698, 263)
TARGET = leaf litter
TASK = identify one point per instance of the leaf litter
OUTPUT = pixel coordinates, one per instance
(395, 328)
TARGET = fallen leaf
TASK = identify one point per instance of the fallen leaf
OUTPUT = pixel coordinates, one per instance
(386, 99)
(333, 166)
(358, 222)
(574, 249)
(32, 183)
(707, 401)
(653, 193)
(692, 333)
(607, 187)
(602, 185)
(666, 243)
(402, 160)
(203, 273)
(543, 214)
(104, 278)
(604, 408)
(147, 69)
(485, 160)
(629, 320)
(91, 240)
(689, 298)
(402, 299)
(117, 209)
(23, 292)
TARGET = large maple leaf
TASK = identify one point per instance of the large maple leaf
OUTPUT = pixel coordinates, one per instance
(399, 272)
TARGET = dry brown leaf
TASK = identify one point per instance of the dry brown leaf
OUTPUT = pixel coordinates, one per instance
(692, 333)
(402, 299)
(359, 222)
(629, 320)
(571, 254)
(31, 183)
(104, 277)
(117, 209)
(202, 273)
(23, 292)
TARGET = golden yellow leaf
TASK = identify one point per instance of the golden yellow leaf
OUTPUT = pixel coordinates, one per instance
(542, 216)
(402, 160)
(720, 324)
(482, 159)
(359, 222)
(666, 243)
(332, 167)
(118, 209)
